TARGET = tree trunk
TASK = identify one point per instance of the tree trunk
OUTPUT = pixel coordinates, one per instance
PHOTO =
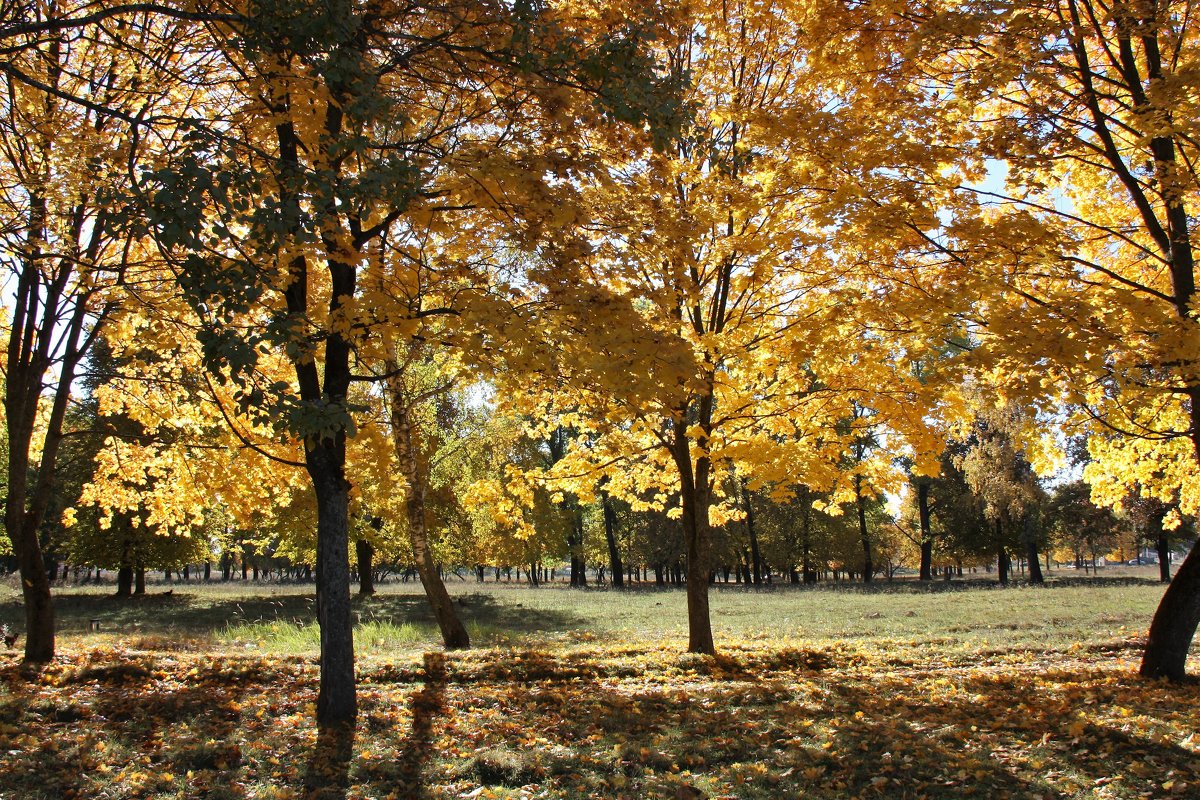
(364, 554)
(755, 554)
(1158, 534)
(125, 581)
(1031, 550)
(926, 534)
(610, 535)
(337, 705)
(43, 333)
(139, 579)
(575, 546)
(1174, 623)
(408, 454)
(1163, 548)
(1001, 554)
(860, 501)
(695, 496)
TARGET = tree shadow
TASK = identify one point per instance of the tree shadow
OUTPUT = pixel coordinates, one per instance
(183, 614)
(327, 774)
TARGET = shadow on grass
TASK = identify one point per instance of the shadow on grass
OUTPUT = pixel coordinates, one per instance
(181, 613)
(327, 775)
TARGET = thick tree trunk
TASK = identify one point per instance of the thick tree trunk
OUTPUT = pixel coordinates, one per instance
(1175, 622)
(364, 555)
(337, 705)
(610, 535)
(125, 581)
(35, 591)
(926, 533)
(139, 579)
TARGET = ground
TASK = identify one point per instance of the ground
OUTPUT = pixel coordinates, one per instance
(900, 692)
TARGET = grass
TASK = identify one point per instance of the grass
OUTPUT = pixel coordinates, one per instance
(899, 691)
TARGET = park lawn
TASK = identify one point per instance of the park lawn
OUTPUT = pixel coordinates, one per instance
(817, 693)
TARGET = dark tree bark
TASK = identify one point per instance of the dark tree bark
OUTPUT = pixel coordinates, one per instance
(695, 494)
(755, 554)
(860, 501)
(1156, 533)
(1001, 554)
(364, 555)
(125, 581)
(926, 533)
(1029, 533)
(610, 535)
(139, 579)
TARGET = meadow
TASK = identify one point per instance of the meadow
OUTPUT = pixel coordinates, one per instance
(947, 690)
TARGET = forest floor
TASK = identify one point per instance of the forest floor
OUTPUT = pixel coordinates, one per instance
(901, 691)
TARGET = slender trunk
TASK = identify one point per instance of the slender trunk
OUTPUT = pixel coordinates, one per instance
(610, 535)
(926, 534)
(364, 555)
(1031, 550)
(139, 579)
(1001, 553)
(408, 454)
(1156, 533)
(860, 501)
(755, 554)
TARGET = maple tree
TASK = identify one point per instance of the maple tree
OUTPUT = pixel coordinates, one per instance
(341, 121)
(725, 266)
(1084, 261)
(63, 244)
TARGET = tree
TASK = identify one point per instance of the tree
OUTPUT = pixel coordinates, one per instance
(1085, 261)
(417, 397)
(62, 162)
(343, 120)
(724, 267)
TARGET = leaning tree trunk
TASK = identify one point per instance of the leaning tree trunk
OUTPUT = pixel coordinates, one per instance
(926, 534)
(1178, 613)
(454, 634)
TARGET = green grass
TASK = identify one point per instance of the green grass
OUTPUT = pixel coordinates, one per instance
(957, 617)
